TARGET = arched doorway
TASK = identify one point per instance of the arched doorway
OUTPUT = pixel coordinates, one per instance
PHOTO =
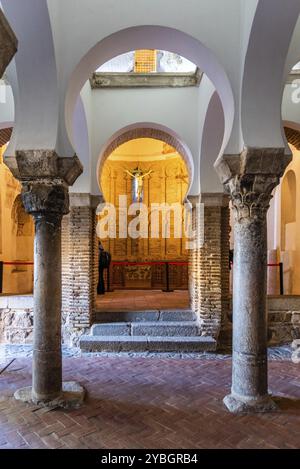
(283, 221)
(16, 231)
(155, 260)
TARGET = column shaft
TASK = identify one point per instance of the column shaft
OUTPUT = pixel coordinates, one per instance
(249, 374)
(45, 179)
(47, 360)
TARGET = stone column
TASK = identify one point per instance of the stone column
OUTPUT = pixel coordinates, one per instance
(47, 204)
(250, 178)
(8, 43)
(45, 179)
(209, 263)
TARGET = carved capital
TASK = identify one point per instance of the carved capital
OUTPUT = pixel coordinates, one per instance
(251, 195)
(46, 198)
(8, 43)
(45, 178)
(249, 179)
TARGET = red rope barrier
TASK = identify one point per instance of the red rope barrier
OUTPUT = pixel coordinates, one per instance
(149, 263)
(17, 263)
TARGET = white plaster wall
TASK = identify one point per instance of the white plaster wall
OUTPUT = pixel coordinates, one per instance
(7, 109)
(62, 42)
(263, 79)
(212, 136)
(93, 20)
(291, 103)
(175, 108)
(38, 101)
(82, 142)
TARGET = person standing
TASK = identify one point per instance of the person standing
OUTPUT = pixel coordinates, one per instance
(104, 263)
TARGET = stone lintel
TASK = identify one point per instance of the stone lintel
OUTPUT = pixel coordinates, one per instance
(33, 165)
(8, 43)
(194, 200)
(213, 199)
(85, 200)
(253, 162)
(101, 80)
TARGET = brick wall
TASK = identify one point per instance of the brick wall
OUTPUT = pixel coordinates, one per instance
(79, 269)
(209, 273)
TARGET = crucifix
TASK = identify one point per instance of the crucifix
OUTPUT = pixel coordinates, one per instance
(137, 183)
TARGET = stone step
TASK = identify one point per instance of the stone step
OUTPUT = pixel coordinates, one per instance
(144, 316)
(91, 343)
(152, 328)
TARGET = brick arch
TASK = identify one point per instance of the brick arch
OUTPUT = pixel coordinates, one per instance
(292, 136)
(133, 133)
(5, 135)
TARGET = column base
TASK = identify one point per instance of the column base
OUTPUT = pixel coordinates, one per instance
(72, 397)
(236, 405)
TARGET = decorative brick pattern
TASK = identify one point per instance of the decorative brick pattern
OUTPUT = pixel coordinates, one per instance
(293, 137)
(123, 411)
(95, 261)
(78, 272)
(146, 132)
(209, 271)
(5, 135)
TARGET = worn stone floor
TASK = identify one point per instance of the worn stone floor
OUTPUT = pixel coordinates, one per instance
(150, 402)
(131, 300)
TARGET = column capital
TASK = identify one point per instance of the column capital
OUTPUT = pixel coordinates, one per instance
(8, 43)
(249, 179)
(46, 198)
(45, 178)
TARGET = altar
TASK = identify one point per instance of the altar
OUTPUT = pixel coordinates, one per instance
(138, 276)
(157, 275)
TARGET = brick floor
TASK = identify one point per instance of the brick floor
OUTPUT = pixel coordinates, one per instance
(149, 403)
(130, 300)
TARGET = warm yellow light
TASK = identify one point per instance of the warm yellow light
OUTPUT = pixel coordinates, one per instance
(145, 61)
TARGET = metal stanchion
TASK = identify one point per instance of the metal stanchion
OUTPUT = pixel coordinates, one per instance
(1, 276)
(168, 289)
(281, 278)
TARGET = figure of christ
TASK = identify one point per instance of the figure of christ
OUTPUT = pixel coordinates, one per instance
(138, 176)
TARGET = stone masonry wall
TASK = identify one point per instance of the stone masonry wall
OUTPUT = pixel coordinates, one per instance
(283, 321)
(16, 321)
